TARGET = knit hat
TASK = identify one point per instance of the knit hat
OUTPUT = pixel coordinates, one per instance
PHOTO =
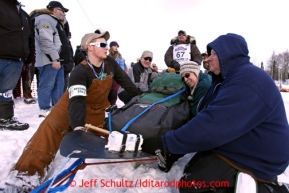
(53, 4)
(113, 43)
(147, 53)
(87, 38)
(189, 66)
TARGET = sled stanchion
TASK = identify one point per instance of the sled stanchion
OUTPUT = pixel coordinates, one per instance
(103, 131)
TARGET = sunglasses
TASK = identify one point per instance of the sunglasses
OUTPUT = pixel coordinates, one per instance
(187, 75)
(182, 35)
(148, 58)
(99, 44)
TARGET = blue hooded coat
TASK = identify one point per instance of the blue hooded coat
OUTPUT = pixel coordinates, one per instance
(242, 117)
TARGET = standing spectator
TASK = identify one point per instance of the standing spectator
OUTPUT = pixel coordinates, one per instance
(17, 46)
(78, 55)
(52, 50)
(27, 76)
(113, 52)
(67, 67)
(183, 48)
(206, 63)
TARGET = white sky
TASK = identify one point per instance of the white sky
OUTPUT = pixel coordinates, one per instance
(139, 25)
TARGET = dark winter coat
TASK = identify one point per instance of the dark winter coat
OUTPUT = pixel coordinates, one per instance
(70, 64)
(242, 118)
(141, 76)
(16, 36)
(204, 83)
(195, 52)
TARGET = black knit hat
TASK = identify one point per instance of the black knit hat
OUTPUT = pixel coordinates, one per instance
(113, 43)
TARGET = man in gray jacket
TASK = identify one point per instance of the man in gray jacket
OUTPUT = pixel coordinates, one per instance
(52, 50)
(141, 75)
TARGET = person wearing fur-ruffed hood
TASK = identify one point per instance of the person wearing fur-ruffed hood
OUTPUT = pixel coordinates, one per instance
(183, 48)
(53, 52)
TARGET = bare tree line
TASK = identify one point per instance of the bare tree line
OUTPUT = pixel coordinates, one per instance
(277, 66)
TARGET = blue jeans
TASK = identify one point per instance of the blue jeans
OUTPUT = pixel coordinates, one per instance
(51, 84)
(10, 71)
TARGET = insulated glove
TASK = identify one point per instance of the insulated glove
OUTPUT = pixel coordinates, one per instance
(151, 144)
(170, 160)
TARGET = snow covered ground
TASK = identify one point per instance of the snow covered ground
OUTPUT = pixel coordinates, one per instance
(99, 178)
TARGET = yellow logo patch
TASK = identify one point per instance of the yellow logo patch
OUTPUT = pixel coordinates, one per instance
(45, 26)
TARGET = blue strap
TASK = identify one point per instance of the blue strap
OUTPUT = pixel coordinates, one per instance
(62, 187)
(109, 122)
(148, 108)
(46, 184)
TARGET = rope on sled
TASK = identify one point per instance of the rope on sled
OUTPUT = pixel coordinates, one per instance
(149, 107)
(59, 176)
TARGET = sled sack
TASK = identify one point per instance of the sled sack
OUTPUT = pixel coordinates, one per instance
(159, 118)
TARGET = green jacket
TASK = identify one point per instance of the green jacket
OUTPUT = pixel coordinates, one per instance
(203, 86)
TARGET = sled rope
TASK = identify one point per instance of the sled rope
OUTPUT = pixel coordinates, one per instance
(149, 107)
(59, 170)
(59, 176)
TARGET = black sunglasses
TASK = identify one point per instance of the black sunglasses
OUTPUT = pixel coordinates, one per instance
(148, 58)
(181, 34)
(187, 75)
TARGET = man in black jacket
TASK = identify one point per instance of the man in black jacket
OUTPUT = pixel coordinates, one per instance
(17, 46)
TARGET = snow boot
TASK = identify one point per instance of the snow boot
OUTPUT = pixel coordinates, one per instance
(28, 98)
(13, 125)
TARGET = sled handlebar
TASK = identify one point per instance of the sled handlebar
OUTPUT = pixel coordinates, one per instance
(100, 130)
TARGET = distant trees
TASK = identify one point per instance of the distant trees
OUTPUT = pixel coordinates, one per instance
(277, 66)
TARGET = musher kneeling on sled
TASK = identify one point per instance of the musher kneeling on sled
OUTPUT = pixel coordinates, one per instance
(240, 132)
(84, 102)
